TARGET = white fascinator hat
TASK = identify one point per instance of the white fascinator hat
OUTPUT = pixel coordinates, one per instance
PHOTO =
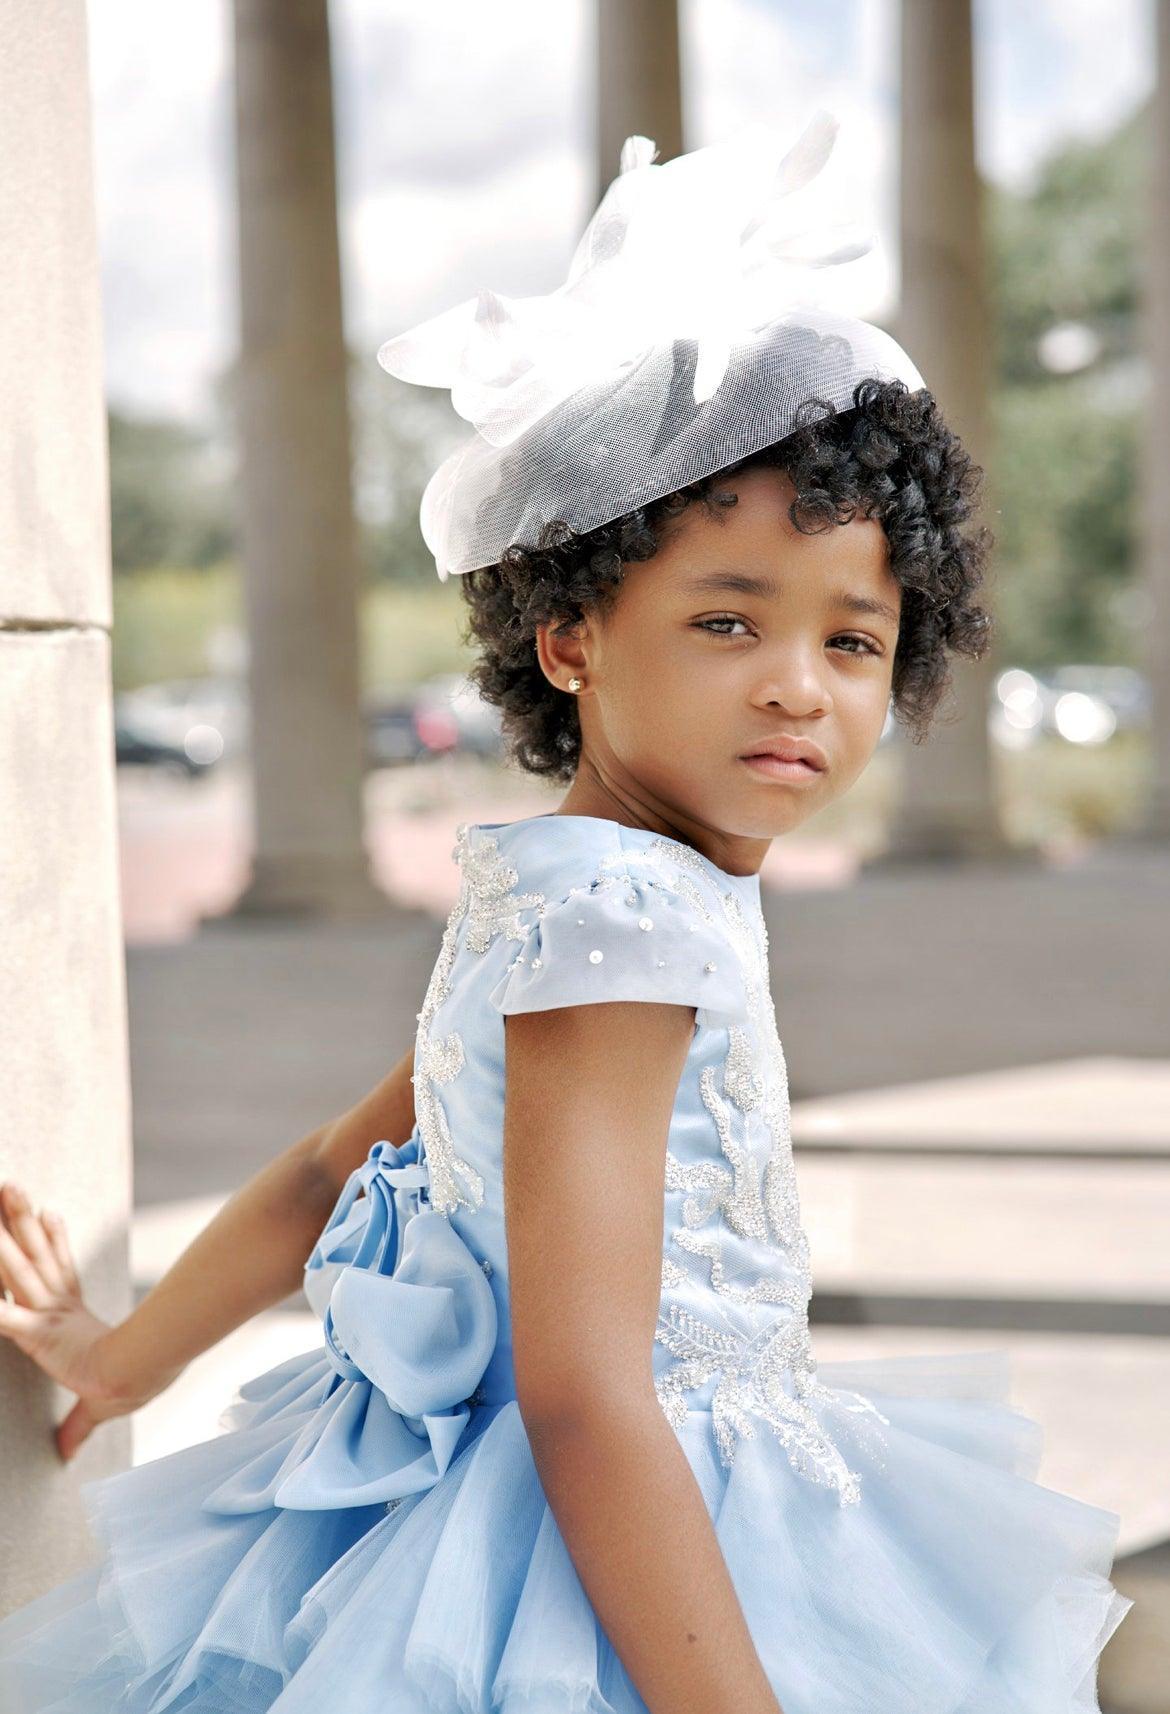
(684, 337)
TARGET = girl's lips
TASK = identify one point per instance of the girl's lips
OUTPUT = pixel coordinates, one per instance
(774, 769)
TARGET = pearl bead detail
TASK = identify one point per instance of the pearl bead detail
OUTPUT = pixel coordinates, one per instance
(645, 922)
(708, 966)
(596, 956)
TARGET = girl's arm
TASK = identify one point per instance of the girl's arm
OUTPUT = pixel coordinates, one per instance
(250, 1256)
(584, 1185)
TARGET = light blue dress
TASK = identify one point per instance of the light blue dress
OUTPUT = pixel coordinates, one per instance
(370, 1536)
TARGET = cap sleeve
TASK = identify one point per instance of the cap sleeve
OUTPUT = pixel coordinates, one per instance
(626, 936)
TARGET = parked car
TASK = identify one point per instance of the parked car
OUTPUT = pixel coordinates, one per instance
(453, 715)
(204, 719)
(391, 735)
(193, 723)
(135, 749)
(443, 715)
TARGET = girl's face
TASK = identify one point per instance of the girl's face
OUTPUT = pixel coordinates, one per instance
(741, 631)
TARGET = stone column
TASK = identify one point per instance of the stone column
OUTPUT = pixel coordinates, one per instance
(1155, 539)
(948, 802)
(1135, 1668)
(639, 82)
(63, 1035)
(296, 514)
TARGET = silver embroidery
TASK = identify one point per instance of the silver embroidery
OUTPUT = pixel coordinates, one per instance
(452, 1181)
(752, 1375)
(740, 1078)
(491, 906)
(766, 1289)
(760, 1371)
(672, 1274)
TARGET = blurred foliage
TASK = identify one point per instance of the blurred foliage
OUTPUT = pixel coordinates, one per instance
(1065, 250)
(166, 618)
(1063, 456)
(408, 633)
(1050, 793)
(1065, 446)
(1057, 791)
(401, 433)
(170, 495)
(1065, 485)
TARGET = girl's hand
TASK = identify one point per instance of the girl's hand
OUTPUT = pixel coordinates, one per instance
(49, 1320)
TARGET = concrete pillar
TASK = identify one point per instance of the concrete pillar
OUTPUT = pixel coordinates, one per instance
(639, 87)
(63, 1036)
(1135, 1668)
(1155, 539)
(948, 803)
(296, 514)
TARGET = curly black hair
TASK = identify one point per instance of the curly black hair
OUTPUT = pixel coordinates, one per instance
(889, 456)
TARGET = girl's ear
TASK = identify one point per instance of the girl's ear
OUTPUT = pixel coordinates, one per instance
(563, 654)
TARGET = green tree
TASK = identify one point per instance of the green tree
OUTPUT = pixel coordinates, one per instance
(170, 494)
(1065, 444)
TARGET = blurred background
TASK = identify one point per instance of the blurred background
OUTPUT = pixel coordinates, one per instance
(971, 950)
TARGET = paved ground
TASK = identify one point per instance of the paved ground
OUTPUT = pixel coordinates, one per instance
(979, 1061)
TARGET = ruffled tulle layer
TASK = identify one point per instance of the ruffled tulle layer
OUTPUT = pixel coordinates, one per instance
(956, 1586)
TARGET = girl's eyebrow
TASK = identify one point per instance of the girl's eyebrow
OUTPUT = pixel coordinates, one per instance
(759, 583)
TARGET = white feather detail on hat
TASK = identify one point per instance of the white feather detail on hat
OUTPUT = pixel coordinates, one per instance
(687, 262)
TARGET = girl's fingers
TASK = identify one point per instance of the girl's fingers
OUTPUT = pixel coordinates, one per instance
(59, 1244)
(15, 1320)
(29, 1231)
(20, 1276)
(76, 1427)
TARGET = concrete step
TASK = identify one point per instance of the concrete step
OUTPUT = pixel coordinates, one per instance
(1107, 1107)
(987, 1228)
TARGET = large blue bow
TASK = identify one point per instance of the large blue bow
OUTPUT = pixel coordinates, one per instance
(410, 1324)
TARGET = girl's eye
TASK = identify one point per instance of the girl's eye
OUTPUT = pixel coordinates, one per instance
(719, 619)
(718, 626)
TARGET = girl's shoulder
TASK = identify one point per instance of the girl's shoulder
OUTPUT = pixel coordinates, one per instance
(602, 911)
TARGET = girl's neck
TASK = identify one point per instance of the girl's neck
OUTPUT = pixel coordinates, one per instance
(591, 796)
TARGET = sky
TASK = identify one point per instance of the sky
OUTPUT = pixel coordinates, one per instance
(465, 149)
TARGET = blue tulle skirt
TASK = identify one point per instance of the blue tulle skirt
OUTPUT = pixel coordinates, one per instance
(367, 1538)
(956, 1586)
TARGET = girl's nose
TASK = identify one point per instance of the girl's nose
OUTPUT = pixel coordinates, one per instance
(795, 688)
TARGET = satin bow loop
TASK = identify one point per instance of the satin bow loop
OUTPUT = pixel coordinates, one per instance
(359, 1232)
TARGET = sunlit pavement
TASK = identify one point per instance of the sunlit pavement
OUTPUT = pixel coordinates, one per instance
(981, 1097)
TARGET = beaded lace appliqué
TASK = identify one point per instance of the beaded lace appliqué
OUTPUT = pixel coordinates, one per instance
(761, 1372)
(491, 906)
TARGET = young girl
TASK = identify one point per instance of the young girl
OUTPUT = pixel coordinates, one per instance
(564, 1448)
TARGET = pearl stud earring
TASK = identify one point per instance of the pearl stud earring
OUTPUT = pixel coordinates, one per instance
(575, 683)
